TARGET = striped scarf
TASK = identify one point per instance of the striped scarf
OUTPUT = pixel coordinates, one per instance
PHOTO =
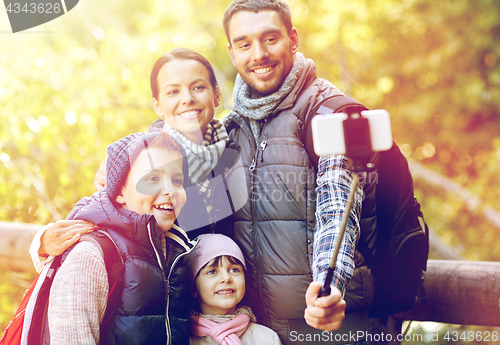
(202, 159)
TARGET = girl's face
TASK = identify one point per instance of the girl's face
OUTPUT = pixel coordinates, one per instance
(220, 289)
(186, 99)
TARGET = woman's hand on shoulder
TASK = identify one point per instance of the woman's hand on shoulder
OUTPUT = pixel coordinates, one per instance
(63, 234)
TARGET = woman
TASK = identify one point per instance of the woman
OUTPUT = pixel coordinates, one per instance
(185, 103)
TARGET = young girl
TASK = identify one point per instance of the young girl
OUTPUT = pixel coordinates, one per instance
(216, 268)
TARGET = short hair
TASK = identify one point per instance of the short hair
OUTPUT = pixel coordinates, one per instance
(279, 6)
(181, 54)
(163, 140)
(123, 153)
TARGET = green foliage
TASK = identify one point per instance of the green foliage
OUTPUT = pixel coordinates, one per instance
(80, 82)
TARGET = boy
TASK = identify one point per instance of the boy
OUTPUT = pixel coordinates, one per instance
(138, 208)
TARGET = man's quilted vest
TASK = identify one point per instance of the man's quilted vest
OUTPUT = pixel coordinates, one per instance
(275, 229)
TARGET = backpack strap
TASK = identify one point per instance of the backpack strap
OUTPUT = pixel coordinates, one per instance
(335, 104)
(42, 300)
(115, 268)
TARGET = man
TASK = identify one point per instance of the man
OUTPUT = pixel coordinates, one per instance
(276, 90)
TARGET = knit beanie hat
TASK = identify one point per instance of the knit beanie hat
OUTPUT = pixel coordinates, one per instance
(209, 247)
(121, 156)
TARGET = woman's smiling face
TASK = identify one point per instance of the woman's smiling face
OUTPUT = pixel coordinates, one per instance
(186, 99)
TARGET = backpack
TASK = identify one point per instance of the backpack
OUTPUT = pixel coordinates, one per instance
(402, 246)
(28, 325)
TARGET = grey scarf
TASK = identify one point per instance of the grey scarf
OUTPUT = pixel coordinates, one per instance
(257, 109)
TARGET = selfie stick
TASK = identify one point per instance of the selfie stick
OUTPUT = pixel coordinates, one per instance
(325, 289)
(358, 150)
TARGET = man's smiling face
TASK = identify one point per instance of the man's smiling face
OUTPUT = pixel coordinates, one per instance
(261, 49)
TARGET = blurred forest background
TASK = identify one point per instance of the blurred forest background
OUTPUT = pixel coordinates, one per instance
(70, 87)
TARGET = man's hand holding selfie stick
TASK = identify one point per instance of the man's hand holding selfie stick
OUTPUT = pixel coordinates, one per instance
(356, 136)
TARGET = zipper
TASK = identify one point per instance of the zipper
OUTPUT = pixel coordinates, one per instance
(158, 258)
(260, 149)
(407, 238)
(263, 146)
(252, 166)
(168, 280)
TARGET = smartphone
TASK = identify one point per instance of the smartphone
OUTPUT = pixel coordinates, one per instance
(328, 132)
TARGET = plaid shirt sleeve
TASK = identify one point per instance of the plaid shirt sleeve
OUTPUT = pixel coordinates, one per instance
(333, 186)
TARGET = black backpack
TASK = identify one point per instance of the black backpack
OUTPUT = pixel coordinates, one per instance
(402, 245)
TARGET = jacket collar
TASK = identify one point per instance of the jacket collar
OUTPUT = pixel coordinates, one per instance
(307, 76)
(100, 210)
(180, 237)
(128, 222)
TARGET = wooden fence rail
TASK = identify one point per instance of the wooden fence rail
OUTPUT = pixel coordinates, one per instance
(15, 240)
(458, 292)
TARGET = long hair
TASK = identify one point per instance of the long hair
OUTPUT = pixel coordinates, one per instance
(181, 54)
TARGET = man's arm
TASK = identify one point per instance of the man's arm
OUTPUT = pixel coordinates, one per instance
(333, 186)
(53, 239)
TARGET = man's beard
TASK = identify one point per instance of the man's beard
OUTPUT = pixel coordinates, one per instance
(266, 89)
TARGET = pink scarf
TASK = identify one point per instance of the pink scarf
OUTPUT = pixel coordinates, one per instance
(227, 333)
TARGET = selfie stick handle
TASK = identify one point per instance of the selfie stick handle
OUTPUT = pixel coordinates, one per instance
(325, 289)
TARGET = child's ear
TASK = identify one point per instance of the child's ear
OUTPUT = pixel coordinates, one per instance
(120, 199)
(194, 293)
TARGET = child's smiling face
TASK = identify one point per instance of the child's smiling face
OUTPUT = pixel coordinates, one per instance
(157, 189)
(220, 288)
